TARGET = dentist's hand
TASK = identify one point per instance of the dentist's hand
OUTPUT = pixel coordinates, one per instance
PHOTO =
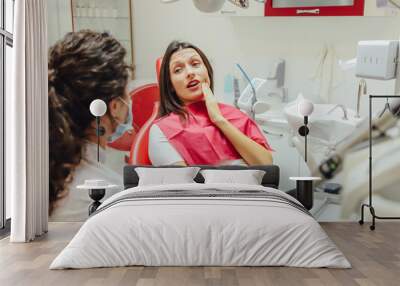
(212, 105)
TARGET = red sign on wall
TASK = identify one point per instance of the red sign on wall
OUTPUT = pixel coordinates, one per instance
(314, 8)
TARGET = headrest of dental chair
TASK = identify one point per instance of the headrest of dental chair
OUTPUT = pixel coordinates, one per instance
(158, 68)
(140, 148)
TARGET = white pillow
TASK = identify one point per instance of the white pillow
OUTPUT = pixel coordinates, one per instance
(165, 176)
(248, 177)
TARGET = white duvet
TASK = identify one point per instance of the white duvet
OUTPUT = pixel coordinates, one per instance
(200, 231)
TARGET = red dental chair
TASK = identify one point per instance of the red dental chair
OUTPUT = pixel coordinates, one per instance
(140, 147)
(145, 109)
(143, 99)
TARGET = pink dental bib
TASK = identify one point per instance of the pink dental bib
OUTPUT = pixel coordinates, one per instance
(199, 141)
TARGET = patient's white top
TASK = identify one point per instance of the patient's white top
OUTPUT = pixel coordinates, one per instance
(161, 151)
(74, 207)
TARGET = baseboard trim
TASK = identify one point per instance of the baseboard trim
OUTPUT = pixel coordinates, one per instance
(5, 231)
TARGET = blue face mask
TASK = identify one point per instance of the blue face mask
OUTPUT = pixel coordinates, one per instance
(125, 126)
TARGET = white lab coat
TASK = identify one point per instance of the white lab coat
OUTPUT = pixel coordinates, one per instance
(74, 207)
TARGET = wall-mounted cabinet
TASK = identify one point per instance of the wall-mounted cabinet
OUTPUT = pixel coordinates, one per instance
(381, 8)
(309, 8)
(114, 17)
(314, 8)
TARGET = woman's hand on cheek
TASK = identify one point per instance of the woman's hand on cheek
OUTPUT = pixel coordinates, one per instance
(212, 105)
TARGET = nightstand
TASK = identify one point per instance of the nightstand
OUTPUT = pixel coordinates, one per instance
(304, 190)
(97, 190)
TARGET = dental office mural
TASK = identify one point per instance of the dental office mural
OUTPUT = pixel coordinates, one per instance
(178, 120)
(187, 125)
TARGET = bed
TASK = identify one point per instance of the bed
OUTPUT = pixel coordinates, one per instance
(201, 224)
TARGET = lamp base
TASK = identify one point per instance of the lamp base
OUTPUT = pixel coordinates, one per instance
(305, 193)
(96, 195)
(303, 130)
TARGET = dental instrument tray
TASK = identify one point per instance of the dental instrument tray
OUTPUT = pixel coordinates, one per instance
(332, 188)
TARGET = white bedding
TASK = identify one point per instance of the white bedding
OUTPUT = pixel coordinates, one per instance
(200, 231)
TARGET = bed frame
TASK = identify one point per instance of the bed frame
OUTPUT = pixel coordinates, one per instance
(270, 179)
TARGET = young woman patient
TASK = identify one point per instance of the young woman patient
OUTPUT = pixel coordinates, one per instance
(193, 128)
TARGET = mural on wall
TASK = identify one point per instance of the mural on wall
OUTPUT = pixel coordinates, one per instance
(184, 126)
(177, 120)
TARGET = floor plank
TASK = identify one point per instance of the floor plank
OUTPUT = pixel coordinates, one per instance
(374, 255)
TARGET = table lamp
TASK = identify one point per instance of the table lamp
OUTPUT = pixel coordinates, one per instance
(98, 108)
(305, 108)
(97, 188)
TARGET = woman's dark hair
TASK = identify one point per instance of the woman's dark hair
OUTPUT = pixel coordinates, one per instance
(83, 66)
(169, 100)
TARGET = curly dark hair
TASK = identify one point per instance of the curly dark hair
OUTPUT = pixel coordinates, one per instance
(83, 66)
(169, 100)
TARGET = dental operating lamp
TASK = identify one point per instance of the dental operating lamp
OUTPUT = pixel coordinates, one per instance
(207, 6)
(211, 6)
(98, 108)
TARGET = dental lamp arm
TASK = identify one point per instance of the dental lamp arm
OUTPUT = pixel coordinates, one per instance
(395, 3)
(248, 80)
(361, 135)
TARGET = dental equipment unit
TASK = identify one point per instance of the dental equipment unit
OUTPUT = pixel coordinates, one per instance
(375, 60)
(331, 166)
(343, 108)
(275, 82)
(255, 96)
(362, 90)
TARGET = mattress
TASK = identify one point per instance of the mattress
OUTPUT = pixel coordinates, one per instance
(201, 225)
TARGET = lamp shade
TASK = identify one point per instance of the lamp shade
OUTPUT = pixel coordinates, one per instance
(98, 107)
(305, 107)
(208, 6)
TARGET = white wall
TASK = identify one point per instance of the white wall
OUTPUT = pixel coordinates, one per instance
(59, 20)
(256, 41)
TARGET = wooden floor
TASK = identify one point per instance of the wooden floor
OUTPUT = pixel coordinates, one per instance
(375, 257)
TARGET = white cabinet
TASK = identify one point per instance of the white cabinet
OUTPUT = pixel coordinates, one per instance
(287, 158)
(372, 9)
(114, 17)
(255, 8)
